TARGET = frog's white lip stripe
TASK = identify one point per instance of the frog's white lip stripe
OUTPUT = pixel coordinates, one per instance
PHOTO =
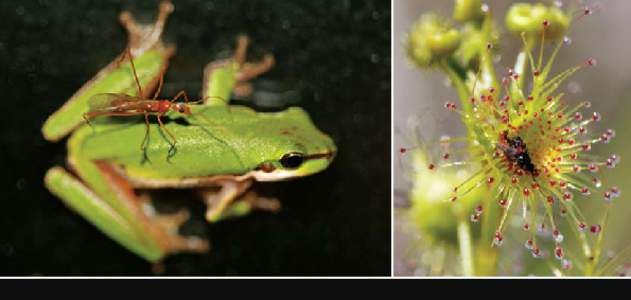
(150, 183)
(276, 175)
(258, 175)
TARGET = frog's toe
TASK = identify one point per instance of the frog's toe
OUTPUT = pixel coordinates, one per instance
(262, 203)
(173, 222)
(178, 244)
(251, 70)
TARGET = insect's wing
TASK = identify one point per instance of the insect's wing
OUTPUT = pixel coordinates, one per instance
(107, 100)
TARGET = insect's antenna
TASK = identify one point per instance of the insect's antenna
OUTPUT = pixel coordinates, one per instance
(133, 68)
(202, 100)
(182, 93)
(204, 119)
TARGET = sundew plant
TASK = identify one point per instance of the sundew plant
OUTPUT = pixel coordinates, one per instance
(517, 173)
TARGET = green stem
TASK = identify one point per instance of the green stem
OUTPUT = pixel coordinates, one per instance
(616, 261)
(595, 259)
(466, 247)
(486, 260)
(485, 254)
(459, 83)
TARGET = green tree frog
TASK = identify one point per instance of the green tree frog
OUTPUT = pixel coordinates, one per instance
(221, 148)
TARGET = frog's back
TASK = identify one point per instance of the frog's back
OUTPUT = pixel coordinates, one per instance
(212, 141)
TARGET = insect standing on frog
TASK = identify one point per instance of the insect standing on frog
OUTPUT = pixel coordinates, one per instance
(118, 104)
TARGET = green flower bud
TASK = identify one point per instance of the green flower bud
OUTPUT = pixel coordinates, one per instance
(528, 18)
(431, 39)
(473, 42)
(467, 10)
(433, 213)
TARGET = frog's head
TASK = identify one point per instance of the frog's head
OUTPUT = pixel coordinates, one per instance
(289, 145)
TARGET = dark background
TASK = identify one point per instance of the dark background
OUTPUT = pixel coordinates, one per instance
(337, 53)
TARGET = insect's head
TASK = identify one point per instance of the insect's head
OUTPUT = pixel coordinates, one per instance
(181, 108)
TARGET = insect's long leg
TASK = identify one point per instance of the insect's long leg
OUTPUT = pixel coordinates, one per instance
(133, 68)
(155, 96)
(143, 146)
(165, 129)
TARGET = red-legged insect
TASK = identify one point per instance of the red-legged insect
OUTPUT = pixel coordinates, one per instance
(118, 104)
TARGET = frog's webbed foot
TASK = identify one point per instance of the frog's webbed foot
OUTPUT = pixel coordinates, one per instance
(256, 202)
(251, 70)
(142, 37)
(170, 222)
(164, 228)
(217, 203)
(245, 71)
(173, 222)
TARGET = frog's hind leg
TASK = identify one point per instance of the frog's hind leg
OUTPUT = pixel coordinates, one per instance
(164, 229)
(117, 212)
(86, 203)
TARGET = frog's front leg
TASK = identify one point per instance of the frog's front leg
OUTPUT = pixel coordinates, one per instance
(216, 203)
(223, 77)
(151, 57)
(248, 202)
(241, 206)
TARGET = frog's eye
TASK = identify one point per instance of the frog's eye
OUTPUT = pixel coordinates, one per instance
(292, 160)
